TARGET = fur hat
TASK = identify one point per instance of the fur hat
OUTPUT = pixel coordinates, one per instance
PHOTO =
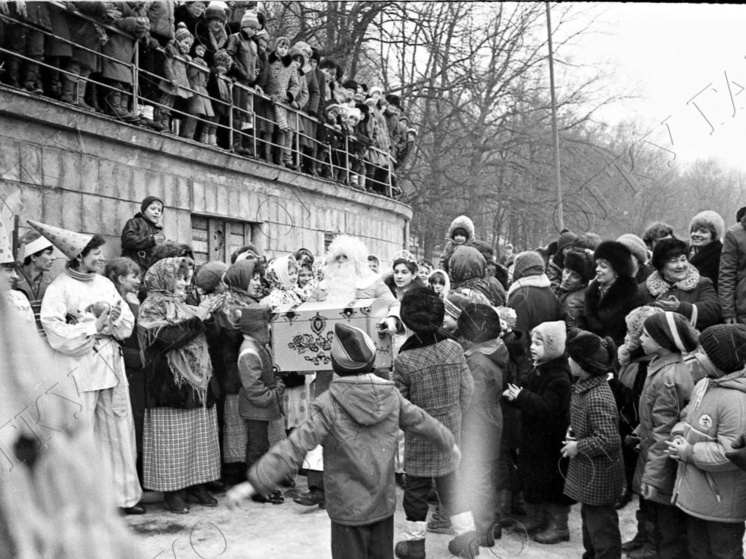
(209, 275)
(250, 19)
(375, 89)
(255, 322)
(581, 262)
(332, 107)
(617, 255)
(350, 84)
(666, 249)
(295, 51)
(454, 304)
(553, 334)
(595, 355)
(725, 347)
(479, 323)
(672, 331)
(422, 310)
(708, 220)
(393, 100)
(216, 10)
(635, 320)
(528, 263)
(353, 352)
(636, 246)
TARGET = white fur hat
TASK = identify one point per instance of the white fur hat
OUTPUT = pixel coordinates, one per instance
(709, 220)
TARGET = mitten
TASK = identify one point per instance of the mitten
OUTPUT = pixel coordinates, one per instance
(738, 454)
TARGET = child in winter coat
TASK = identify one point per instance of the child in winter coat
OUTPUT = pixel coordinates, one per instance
(260, 397)
(579, 270)
(544, 402)
(282, 86)
(200, 104)
(667, 390)
(357, 422)
(143, 232)
(595, 475)
(460, 232)
(430, 371)
(175, 82)
(710, 489)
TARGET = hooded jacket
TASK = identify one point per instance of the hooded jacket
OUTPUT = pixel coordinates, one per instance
(357, 422)
(461, 222)
(732, 278)
(708, 485)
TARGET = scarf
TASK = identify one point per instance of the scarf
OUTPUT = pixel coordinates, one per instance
(190, 364)
(529, 281)
(80, 276)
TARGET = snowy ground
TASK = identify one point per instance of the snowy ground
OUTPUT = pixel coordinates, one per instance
(290, 531)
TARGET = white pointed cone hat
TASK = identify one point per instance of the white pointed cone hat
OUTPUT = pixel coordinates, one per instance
(70, 243)
(6, 253)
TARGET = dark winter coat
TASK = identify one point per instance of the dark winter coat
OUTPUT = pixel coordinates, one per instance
(732, 277)
(667, 390)
(573, 305)
(357, 421)
(698, 299)
(138, 239)
(707, 261)
(161, 389)
(517, 346)
(83, 33)
(461, 222)
(162, 19)
(545, 405)
(244, 52)
(482, 422)
(606, 316)
(627, 388)
(60, 20)
(596, 475)
(181, 14)
(260, 397)
(431, 372)
(120, 47)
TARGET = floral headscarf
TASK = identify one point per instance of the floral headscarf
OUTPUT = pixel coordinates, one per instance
(278, 273)
(190, 363)
(237, 278)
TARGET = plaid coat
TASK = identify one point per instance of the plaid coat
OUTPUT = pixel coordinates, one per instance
(433, 375)
(596, 475)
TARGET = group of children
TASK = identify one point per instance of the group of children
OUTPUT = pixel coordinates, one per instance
(212, 73)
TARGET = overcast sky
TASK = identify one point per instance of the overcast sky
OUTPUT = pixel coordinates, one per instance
(675, 57)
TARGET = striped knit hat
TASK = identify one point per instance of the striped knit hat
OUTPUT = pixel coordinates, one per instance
(672, 331)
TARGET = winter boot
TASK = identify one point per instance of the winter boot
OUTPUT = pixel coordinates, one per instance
(188, 127)
(203, 138)
(93, 98)
(116, 108)
(536, 519)
(69, 93)
(504, 498)
(647, 551)
(413, 544)
(212, 139)
(82, 85)
(11, 77)
(466, 542)
(31, 81)
(487, 537)
(557, 530)
(440, 524)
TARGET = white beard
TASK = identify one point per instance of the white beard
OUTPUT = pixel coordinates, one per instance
(341, 281)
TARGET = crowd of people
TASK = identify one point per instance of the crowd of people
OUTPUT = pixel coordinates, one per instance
(582, 372)
(210, 72)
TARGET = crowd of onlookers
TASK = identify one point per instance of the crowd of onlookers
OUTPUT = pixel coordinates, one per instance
(586, 371)
(210, 72)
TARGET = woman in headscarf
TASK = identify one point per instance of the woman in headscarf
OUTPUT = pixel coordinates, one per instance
(180, 439)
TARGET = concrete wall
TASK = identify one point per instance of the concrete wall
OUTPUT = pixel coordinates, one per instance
(88, 173)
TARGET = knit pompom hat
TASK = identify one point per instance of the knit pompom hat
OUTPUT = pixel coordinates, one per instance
(479, 323)
(554, 335)
(665, 250)
(581, 262)
(672, 331)
(353, 352)
(725, 348)
(528, 263)
(617, 255)
(635, 320)
(422, 310)
(182, 32)
(595, 355)
(209, 275)
(636, 246)
(708, 220)
(250, 19)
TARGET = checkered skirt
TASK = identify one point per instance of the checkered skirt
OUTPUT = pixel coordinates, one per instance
(180, 448)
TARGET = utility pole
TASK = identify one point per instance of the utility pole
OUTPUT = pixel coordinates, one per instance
(555, 132)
